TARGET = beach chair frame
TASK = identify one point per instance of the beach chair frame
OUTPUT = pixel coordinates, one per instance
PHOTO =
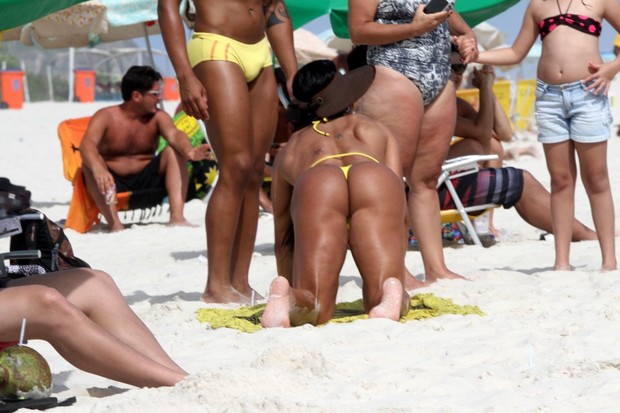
(457, 167)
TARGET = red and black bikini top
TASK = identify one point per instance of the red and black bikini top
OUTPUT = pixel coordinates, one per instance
(584, 24)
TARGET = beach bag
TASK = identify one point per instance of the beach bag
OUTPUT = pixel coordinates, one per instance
(49, 238)
(13, 198)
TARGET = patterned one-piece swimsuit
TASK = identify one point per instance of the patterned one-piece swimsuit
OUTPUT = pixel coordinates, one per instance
(425, 59)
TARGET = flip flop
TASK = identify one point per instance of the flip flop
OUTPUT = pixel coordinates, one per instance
(9, 406)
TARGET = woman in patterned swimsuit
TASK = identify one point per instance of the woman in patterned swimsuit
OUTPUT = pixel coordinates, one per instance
(572, 110)
(411, 50)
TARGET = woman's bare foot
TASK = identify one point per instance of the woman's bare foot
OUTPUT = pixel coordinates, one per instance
(391, 301)
(225, 296)
(411, 282)
(613, 266)
(431, 277)
(180, 223)
(277, 311)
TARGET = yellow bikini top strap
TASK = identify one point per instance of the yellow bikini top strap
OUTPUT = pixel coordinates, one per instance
(342, 155)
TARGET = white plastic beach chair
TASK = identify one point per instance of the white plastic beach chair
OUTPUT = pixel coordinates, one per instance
(457, 167)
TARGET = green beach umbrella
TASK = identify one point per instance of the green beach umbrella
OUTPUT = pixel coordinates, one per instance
(14, 13)
(304, 11)
(477, 11)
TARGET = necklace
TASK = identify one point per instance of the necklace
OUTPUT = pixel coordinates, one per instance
(315, 126)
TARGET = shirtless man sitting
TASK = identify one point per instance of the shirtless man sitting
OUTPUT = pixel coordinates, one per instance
(118, 149)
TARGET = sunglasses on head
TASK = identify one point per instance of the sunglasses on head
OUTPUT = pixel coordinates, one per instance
(458, 68)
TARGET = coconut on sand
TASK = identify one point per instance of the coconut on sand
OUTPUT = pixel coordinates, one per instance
(24, 374)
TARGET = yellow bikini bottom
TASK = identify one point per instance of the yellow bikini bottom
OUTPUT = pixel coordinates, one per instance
(252, 58)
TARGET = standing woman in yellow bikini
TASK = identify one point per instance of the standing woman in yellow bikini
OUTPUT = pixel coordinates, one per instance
(336, 184)
(225, 79)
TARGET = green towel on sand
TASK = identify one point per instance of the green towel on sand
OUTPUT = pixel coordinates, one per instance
(247, 319)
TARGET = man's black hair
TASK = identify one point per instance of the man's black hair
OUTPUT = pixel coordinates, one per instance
(138, 78)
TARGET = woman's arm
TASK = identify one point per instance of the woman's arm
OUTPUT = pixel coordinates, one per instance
(521, 46)
(364, 30)
(603, 74)
(464, 37)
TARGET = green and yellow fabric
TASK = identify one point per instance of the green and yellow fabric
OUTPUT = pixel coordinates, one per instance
(247, 319)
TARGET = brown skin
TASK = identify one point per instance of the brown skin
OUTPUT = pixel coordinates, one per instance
(123, 139)
(83, 315)
(240, 119)
(319, 202)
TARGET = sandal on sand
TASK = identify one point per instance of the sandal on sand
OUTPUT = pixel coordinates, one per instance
(9, 406)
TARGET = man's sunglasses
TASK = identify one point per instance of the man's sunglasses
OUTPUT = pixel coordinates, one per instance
(154, 93)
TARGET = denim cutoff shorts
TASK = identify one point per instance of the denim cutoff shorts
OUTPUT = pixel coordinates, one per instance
(569, 111)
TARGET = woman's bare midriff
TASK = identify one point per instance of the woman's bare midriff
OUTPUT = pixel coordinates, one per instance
(568, 61)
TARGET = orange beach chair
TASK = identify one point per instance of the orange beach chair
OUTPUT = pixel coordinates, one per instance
(83, 213)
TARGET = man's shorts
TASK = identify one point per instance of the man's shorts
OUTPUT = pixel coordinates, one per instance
(148, 178)
(569, 111)
(500, 186)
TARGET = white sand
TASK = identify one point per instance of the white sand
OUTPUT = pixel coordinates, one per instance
(549, 341)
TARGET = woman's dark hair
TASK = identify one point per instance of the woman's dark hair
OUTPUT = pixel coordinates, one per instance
(357, 57)
(138, 78)
(309, 80)
(312, 78)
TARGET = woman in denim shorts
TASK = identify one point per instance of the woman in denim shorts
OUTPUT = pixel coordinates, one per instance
(572, 110)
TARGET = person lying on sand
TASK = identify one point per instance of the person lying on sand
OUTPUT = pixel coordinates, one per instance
(336, 185)
(84, 316)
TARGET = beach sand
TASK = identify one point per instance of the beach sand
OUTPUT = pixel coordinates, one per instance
(548, 341)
